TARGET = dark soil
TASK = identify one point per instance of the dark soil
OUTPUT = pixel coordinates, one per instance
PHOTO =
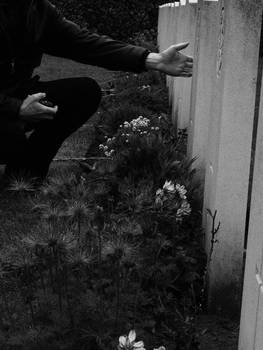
(217, 333)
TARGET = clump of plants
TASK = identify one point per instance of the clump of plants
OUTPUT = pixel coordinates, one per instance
(115, 249)
(128, 97)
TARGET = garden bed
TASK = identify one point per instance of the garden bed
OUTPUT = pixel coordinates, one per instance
(109, 244)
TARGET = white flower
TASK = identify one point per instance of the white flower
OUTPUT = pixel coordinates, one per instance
(145, 87)
(128, 342)
(160, 348)
(169, 186)
(184, 210)
(181, 190)
(140, 122)
(159, 192)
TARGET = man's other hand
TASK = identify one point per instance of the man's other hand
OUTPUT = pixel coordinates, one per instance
(171, 61)
(32, 111)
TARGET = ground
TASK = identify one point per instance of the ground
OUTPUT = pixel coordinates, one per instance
(216, 333)
(57, 68)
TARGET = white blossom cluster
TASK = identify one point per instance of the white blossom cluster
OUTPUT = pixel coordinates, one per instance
(106, 149)
(145, 87)
(174, 191)
(137, 123)
(127, 342)
(139, 126)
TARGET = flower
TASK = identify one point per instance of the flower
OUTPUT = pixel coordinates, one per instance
(181, 191)
(109, 153)
(174, 194)
(184, 210)
(160, 348)
(169, 186)
(128, 342)
(159, 192)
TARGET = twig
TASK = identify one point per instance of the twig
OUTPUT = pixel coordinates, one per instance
(214, 232)
(214, 240)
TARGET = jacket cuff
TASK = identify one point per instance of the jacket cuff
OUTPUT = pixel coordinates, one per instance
(143, 60)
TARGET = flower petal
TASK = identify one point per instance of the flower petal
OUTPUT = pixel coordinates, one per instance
(122, 340)
(138, 345)
(132, 336)
(160, 348)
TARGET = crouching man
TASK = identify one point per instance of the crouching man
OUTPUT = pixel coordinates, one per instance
(29, 28)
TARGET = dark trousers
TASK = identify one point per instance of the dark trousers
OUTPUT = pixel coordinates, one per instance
(77, 99)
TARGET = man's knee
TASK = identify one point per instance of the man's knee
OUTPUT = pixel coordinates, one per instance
(90, 94)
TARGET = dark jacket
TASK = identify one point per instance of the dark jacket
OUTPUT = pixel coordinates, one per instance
(41, 29)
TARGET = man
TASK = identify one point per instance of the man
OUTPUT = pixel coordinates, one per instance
(29, 28)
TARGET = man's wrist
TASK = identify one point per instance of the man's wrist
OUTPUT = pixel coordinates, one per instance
(152, 61)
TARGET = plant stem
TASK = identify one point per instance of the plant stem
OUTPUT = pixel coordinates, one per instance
(118, 295)
(99, 247)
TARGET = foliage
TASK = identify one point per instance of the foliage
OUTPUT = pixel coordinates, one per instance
(107, 17)
(128, 97)
(110, 253)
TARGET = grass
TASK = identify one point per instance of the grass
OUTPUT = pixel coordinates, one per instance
(53, 68)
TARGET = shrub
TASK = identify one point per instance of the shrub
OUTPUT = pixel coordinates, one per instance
(117, 18)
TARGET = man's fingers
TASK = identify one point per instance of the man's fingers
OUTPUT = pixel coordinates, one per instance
(181, 46)
(47, 110)
(189, 64)
(37, 97)
(186, 75)
(187, 70)
(189, 59)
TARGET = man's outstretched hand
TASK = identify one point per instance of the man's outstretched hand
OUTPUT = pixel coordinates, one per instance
(171, 61)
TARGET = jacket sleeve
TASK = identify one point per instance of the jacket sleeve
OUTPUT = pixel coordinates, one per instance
(9, 106)
(63, 38)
